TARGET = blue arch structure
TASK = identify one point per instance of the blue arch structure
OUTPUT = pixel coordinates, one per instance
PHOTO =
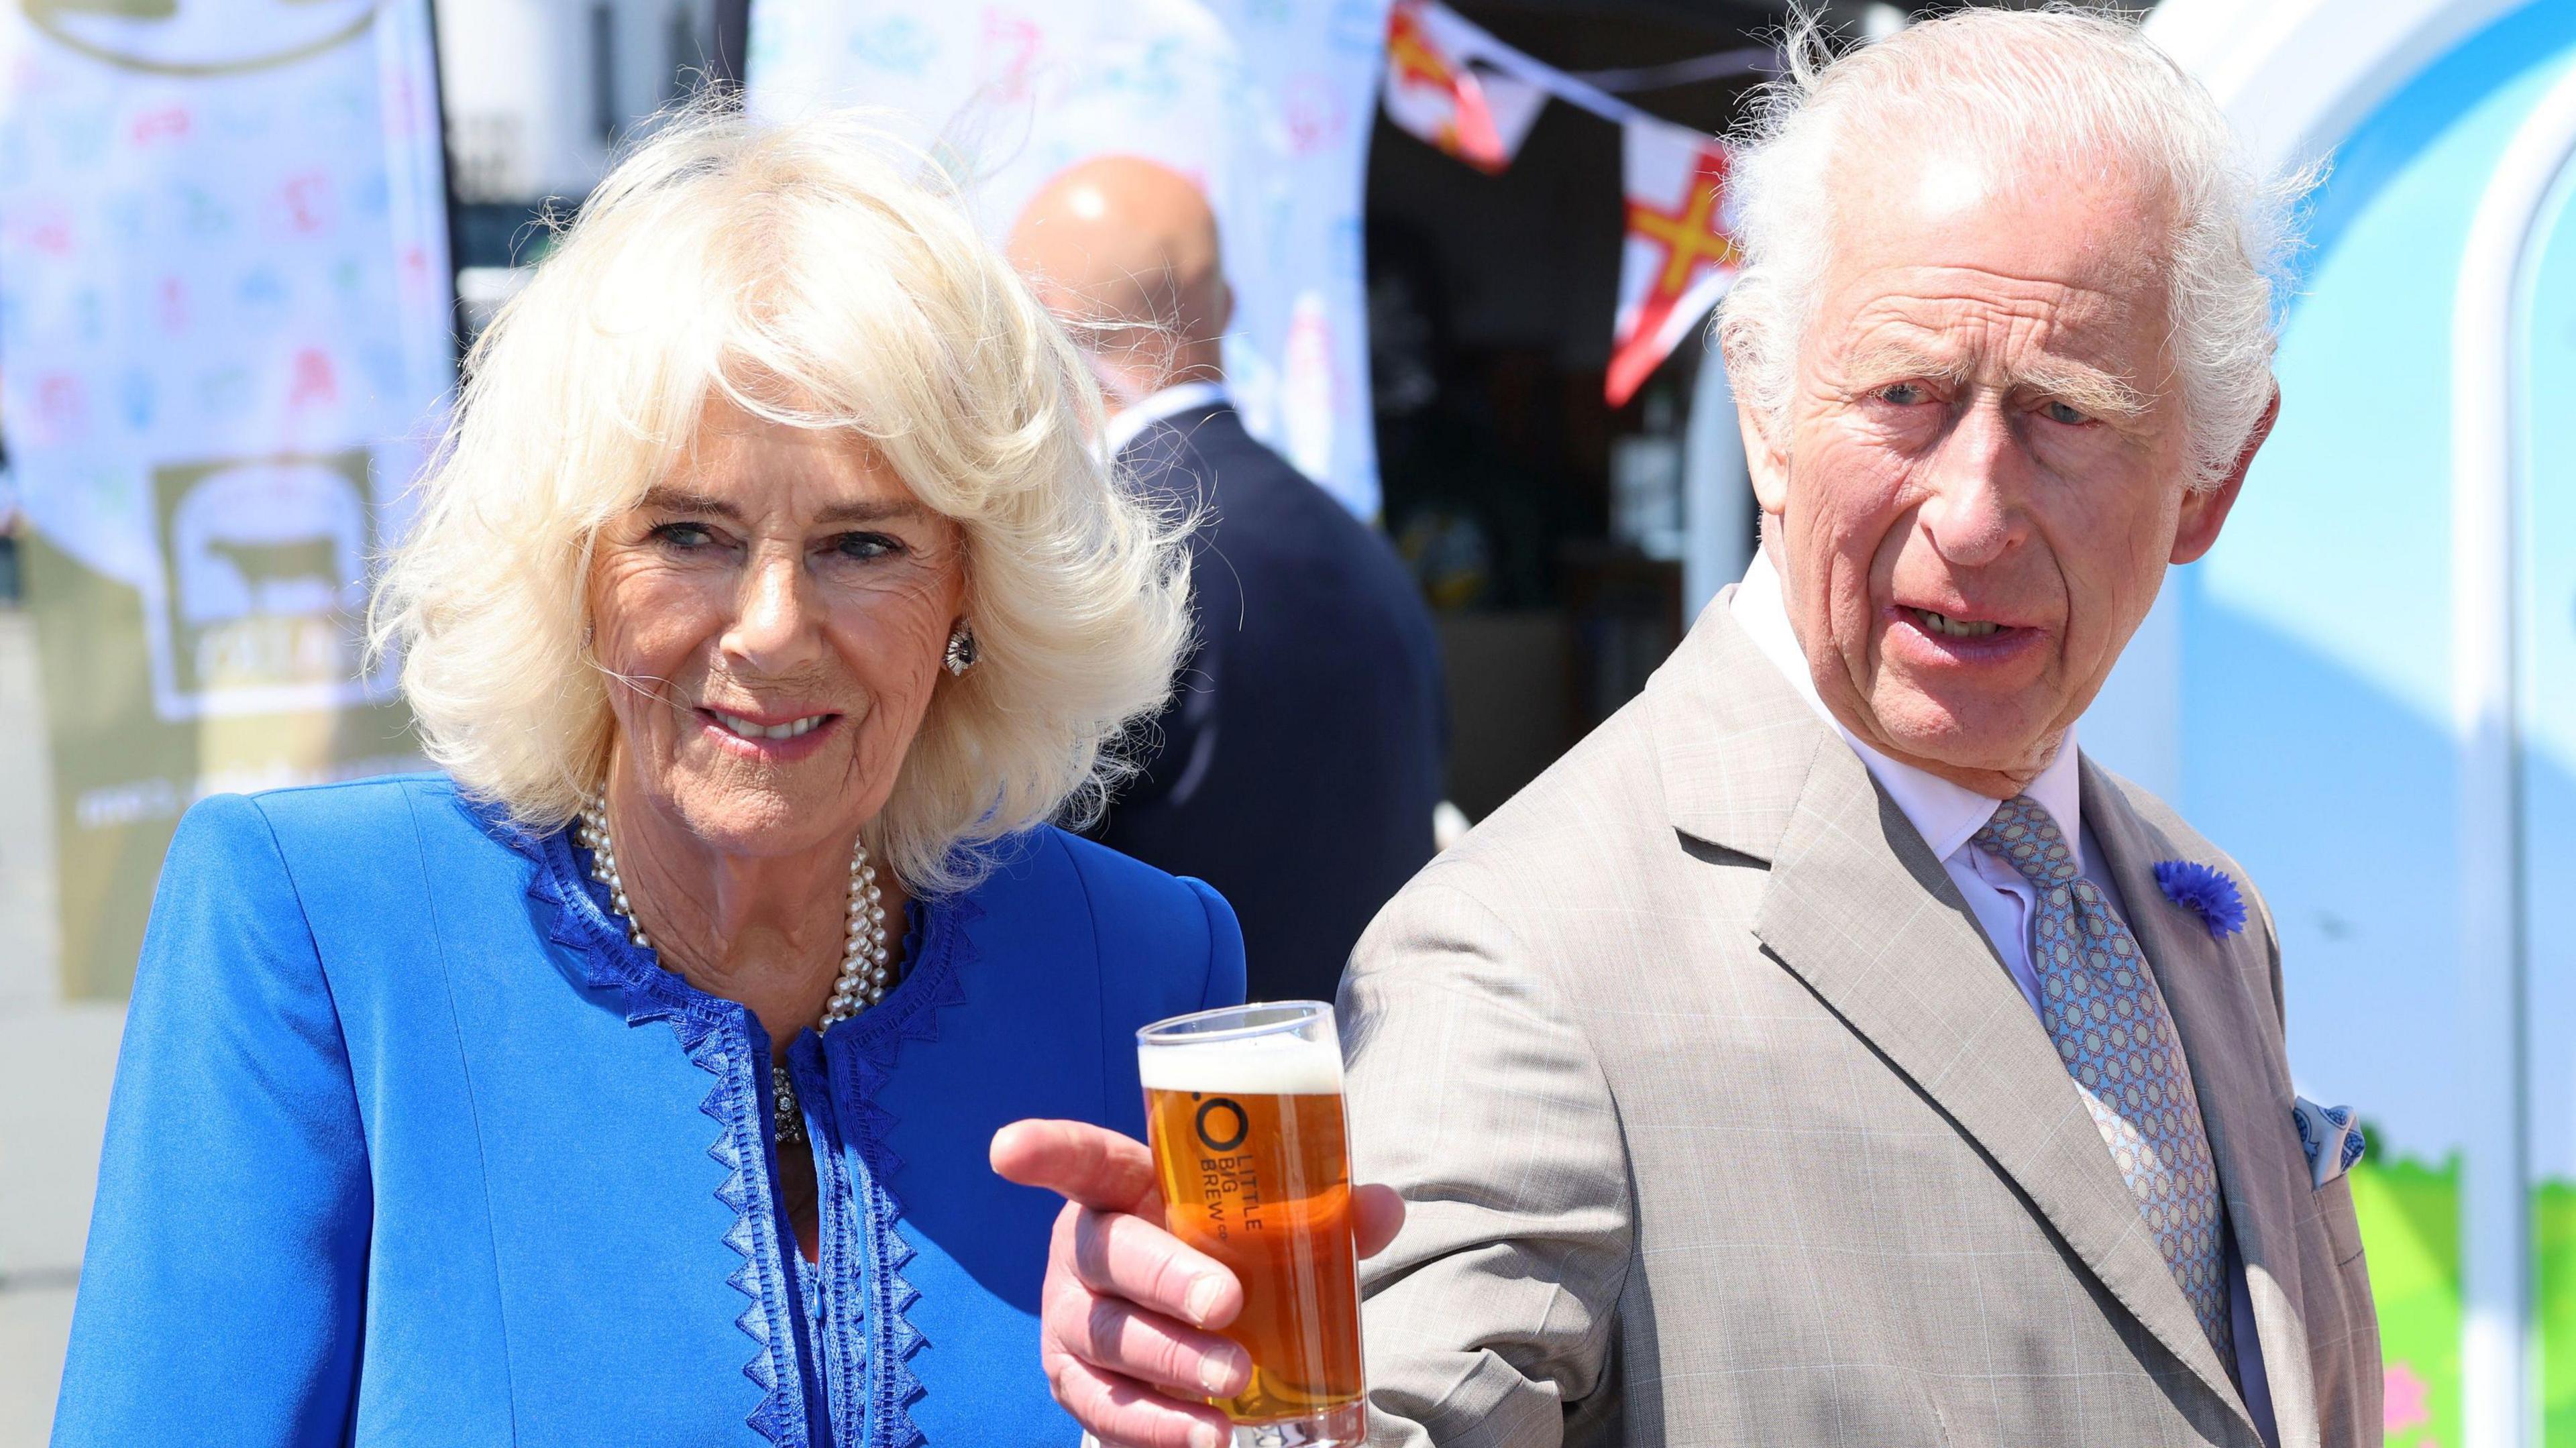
(2315, 716)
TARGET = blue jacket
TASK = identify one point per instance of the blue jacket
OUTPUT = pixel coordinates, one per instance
(409, 1146)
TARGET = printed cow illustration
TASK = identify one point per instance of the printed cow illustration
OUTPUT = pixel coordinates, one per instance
(284, 539)
(300, 575)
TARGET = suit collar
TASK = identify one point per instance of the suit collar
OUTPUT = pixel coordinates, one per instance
(1946, 815)
(1130, 423)
(2217, 991)
(1733, 742)
(1859, 908)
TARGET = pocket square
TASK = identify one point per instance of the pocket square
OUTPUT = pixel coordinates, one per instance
(2331, 1138)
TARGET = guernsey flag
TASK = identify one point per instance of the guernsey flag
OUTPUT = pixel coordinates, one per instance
(1679, 257)
(1437, 90)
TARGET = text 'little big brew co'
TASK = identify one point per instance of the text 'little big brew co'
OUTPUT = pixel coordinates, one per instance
(1229, 1184)
(1255, 1170)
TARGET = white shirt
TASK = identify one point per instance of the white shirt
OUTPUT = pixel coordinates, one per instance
(1948, 816)
(1128, 423)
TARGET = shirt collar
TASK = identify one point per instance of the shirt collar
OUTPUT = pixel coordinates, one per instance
(1946, 815)
(1129, 423)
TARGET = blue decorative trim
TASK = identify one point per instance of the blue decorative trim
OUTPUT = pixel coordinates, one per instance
(936, 957)
(780, 1414)
(714, 1034)
(840, 1352)
(579, 921)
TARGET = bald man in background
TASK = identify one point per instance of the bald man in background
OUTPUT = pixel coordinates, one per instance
(1298, 765)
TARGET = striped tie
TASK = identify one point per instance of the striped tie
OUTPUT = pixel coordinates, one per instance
(2118, 1042)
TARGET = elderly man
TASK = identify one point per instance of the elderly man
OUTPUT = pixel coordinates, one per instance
(1816, 1054)
(1298, 765)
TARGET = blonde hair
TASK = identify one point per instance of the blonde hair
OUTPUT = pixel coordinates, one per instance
(820, 275)
(2069, 80)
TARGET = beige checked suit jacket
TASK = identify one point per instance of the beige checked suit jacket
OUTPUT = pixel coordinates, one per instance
(1720, 1122)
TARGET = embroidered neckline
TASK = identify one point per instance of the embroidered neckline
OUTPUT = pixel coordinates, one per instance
(871, 1044)
(716, 1036)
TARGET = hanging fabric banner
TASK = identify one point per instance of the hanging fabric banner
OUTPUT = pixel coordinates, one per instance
(1442, 87)
(1679, 256)
(1265, 103)
(224, 343)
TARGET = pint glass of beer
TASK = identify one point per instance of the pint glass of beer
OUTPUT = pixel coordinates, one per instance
(1244, 1110)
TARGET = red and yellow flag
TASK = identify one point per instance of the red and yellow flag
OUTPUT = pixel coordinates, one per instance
(1436, 90)
(1679, 257)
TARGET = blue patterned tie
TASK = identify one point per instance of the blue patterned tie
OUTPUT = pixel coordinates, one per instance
(2118, 1042)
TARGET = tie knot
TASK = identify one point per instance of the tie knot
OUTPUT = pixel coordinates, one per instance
(2023, 835)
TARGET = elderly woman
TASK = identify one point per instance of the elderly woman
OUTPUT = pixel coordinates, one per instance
(631, 1081)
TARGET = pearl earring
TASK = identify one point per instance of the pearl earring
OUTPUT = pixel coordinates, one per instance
(961, 650)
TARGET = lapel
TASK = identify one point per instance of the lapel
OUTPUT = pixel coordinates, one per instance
(1860, 910)
(2217, 992)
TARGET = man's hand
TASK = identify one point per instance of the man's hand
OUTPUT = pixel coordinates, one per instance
(1130, 1314)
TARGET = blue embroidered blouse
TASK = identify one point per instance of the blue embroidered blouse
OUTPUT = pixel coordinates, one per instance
(410, 1146)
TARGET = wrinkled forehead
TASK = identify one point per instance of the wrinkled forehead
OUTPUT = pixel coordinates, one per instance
(781, 465)
(1971, 251)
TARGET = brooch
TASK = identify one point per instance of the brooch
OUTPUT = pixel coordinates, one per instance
(2206, 892)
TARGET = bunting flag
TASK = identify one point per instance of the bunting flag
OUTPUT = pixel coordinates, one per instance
(1460, 89)
(1443, 84)
(1679, 257)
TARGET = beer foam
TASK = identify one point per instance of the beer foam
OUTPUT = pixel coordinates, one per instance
(1274, 1065)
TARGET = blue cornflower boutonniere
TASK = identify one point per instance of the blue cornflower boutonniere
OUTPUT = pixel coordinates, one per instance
(2206, 892)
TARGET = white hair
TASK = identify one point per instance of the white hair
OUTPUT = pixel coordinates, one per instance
(820, 275)
(2065, 83)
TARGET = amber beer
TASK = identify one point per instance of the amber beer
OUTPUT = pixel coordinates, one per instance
(1243, 1107)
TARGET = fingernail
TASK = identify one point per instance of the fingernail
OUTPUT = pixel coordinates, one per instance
(1217, 1372)
(1205, 1435)
(1203, 1298)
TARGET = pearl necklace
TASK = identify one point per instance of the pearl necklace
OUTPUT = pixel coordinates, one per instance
(865, 977)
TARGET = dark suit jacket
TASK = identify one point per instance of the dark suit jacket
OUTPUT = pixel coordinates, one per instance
(1298, 764)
